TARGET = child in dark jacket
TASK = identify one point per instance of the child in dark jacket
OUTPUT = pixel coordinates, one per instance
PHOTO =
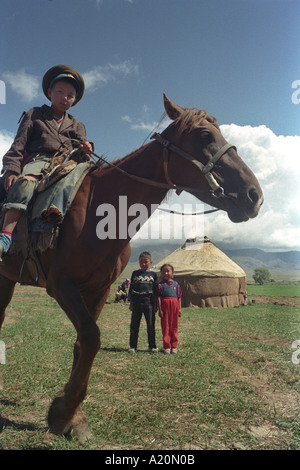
(143, 300)
(169, 305)
(43, 132)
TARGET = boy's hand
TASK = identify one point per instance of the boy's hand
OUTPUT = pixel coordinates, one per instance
(9, 181)
(86, 147)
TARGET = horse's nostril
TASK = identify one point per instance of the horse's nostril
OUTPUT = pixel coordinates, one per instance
(253, 196)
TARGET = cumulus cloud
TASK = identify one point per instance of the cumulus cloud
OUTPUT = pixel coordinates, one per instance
(99, 76)
(24, 84)
(6, 139)
(145, 125)
(275, 161)
(27, 86)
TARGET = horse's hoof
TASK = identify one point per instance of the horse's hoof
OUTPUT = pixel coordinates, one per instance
(58, 424)
(82, 432)
(80, 426)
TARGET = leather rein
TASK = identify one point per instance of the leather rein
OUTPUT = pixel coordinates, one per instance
(216, 190)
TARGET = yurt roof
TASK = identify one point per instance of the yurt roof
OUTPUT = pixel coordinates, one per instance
(201, 257)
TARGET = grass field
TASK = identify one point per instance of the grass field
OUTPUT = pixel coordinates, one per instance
(232, 385)
(278, 289)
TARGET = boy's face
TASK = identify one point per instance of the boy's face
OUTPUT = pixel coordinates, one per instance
(145, 263)
(62, 96)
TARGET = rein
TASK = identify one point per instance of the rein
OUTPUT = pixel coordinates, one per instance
(140, 179)
(216, 190)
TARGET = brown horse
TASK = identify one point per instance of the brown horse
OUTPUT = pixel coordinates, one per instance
(190, 154)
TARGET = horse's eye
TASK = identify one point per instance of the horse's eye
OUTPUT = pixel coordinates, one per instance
(206, 136)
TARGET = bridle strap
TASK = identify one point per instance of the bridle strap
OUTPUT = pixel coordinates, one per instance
(209, 166)
(217, 190)
(169, 146)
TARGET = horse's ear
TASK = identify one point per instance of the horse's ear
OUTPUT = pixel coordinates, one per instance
(172, 109)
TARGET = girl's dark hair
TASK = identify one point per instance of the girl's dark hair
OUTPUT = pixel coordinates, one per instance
(166, 264)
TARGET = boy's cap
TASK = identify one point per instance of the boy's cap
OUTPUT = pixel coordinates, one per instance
(60, 72)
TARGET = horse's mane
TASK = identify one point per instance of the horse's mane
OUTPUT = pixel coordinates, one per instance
(190, 116)
(108, 164)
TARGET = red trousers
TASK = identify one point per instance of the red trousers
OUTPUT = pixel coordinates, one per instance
(169, 321)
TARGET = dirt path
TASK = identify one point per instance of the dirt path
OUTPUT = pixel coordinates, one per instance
(275, 300)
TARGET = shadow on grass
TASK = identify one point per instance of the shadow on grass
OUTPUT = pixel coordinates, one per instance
(6, 423)
(138, 351)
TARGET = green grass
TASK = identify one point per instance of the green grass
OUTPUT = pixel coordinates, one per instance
(231, 386)
(274, 289)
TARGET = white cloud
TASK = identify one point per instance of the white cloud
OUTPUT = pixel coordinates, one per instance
(276, 163)
(102, 74)
(126, 118)
(23, 83)
(6, 139)
(145, 124)
(27, 86)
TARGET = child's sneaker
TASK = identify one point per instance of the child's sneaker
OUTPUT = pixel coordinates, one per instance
(167, 351)
(174, 350)
(5, 242)
(131, 350)
(154, 350)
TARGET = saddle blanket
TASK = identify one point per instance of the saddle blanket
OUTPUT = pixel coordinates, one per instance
(54, 196)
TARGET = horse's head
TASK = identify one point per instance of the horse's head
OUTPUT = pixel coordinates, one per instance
(208, 164)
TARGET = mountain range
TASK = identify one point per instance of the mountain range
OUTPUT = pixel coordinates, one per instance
(283, 265)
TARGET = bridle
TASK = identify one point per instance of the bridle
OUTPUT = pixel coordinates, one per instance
(216, 190)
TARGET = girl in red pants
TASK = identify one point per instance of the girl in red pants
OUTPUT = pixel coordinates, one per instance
(169, 304)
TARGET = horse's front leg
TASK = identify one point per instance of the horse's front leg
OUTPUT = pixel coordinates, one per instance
(64, 412)
(6, 292)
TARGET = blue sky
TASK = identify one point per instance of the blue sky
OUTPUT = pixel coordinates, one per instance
(238, 59)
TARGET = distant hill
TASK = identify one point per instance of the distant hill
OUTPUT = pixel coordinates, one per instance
(282, 265)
